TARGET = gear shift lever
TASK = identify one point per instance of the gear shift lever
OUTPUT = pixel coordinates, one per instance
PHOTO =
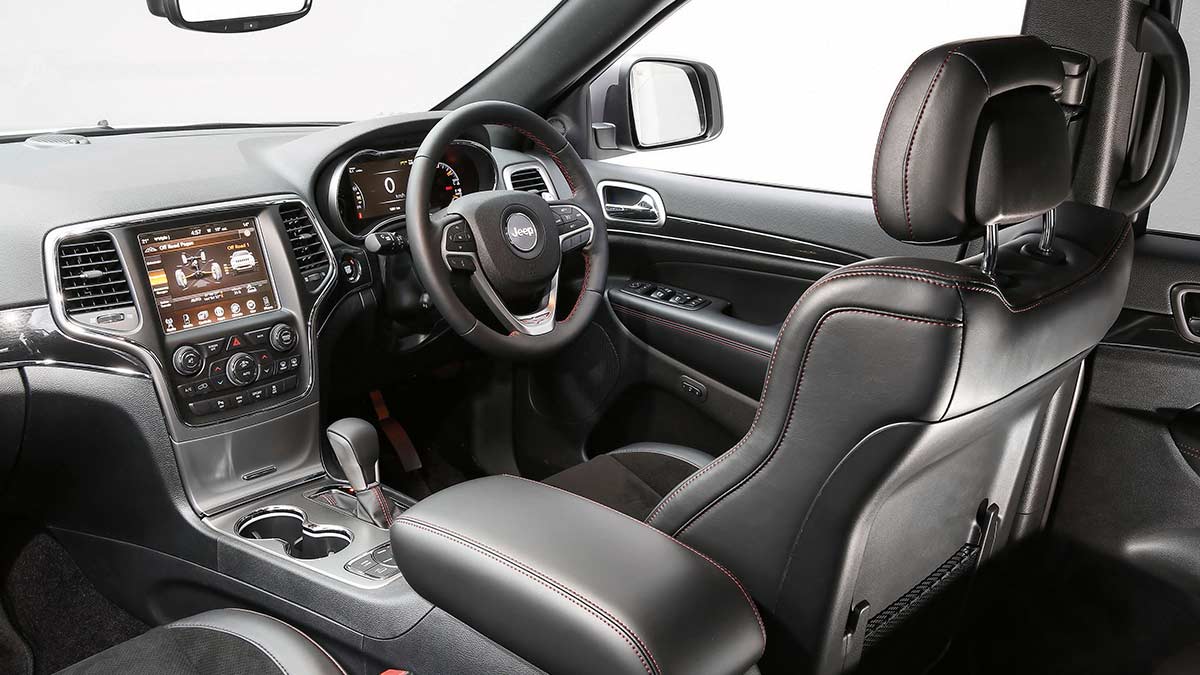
(356, 445)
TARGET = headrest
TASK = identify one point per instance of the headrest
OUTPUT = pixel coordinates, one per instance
(972, 137)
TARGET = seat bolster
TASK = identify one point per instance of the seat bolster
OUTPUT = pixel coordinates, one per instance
(696, 458)
(291, 650)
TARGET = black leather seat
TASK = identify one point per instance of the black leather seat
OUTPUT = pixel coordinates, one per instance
(904, 398)
(220, 642)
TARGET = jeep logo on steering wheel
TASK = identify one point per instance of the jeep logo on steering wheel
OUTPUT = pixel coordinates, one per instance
(522, 234)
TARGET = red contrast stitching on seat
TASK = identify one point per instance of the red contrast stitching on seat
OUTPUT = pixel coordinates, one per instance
(545, 580)
(745, 594)
(545, 148)
(887, 116)
(808, 349)
(980, 286)
(911, 138)
(753, 424)
(728, 342)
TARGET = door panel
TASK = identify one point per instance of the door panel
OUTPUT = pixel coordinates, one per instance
(691, 375)
(1131, 482)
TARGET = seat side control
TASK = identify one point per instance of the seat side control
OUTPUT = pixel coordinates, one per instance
(665, 294)
(692, 388)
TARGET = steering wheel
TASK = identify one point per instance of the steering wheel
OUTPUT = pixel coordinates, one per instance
(511, 243)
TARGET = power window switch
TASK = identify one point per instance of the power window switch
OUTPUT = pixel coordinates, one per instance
(693, 388)
(662, 293)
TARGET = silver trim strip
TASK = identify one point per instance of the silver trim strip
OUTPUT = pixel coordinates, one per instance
(162, 384)
(710, 244)
(51, 363)
(769, 235)
(536, 165)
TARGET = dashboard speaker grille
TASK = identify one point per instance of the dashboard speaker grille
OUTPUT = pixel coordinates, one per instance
(90, 275)
(307, 247)
(527, 180)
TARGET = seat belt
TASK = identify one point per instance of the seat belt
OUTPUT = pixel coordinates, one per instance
(396, 435)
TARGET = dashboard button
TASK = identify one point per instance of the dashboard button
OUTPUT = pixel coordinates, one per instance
(258, 394)
(274, 389)
(187, 390)
(188, 361)
(203, 388)
(282, 338)
(202, 407)
(217, 369)
(221, 404)
(212, 347)
(235, 342)
(289, 383)
(220, 382)
(258, 337)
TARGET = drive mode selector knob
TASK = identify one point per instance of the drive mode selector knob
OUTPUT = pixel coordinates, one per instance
(282, 338)
(188, 361)
(242, 369)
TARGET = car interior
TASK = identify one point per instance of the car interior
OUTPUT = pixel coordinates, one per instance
(478, 387)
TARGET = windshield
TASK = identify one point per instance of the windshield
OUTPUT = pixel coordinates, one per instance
(70, 64)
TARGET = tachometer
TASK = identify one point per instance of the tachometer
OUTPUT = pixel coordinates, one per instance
(446, 186)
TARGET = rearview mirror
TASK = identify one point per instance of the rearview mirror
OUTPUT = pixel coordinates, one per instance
(660, 103)
(229, 16)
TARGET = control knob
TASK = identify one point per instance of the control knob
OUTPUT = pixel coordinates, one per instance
(242, 370)
(282, 338)
(188, 361)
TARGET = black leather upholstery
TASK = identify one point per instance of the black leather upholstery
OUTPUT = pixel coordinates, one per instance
(573, 587)
(904, 395)
(220, 642)
(971, 137)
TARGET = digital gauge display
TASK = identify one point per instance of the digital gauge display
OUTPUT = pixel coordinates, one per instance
(379, 184)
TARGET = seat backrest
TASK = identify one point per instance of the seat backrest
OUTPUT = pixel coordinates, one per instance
(905, 396)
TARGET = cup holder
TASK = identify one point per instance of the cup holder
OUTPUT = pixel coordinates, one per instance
(300, 538)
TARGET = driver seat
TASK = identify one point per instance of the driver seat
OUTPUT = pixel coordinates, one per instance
(905, 397)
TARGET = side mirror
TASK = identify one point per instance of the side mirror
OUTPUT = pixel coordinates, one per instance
(229, 16)
(660, 103)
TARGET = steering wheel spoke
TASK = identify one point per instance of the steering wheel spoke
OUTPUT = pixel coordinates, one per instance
(575, 226)
(538, 322)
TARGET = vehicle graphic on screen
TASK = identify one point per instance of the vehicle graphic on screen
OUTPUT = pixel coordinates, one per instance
(242, 261)
(197, 267)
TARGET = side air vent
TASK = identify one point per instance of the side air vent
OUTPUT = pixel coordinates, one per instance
(94, 286)
(528, 178)
(307, 247)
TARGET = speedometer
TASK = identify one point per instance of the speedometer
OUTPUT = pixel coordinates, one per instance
(447, 186)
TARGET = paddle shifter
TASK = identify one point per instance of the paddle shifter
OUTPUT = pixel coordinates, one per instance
(356, 445)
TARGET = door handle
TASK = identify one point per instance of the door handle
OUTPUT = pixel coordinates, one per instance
(643, 211)
(1185, 308)
(632, 203)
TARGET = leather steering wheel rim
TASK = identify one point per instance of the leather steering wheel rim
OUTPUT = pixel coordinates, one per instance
(428, 240)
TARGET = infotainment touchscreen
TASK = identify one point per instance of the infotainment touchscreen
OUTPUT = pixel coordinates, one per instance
(205, 274)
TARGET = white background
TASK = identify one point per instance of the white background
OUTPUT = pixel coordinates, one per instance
(71, 63)
(804, 83)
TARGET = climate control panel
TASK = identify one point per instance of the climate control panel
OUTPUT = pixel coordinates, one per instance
(237, 370)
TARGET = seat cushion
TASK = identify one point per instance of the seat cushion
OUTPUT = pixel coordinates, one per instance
(634, 479)
(223, 641)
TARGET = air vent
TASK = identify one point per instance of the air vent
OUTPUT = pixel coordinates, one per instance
(93, 283)
(528, 178)
(307, 247)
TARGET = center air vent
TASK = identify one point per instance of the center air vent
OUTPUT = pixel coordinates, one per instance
(94, 286)
(528, 178)
(307, 247)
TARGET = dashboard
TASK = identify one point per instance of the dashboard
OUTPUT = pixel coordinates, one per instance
(370, 186)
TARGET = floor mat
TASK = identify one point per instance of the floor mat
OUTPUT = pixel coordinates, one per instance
(59, 616)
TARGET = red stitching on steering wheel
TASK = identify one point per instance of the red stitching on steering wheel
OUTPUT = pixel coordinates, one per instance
(553, 155)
